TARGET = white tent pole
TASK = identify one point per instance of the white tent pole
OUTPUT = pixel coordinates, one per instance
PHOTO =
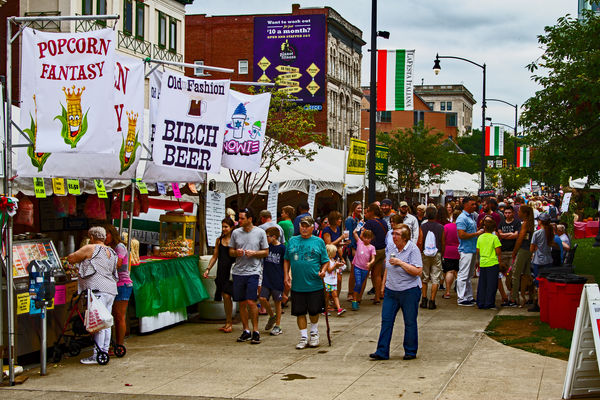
(344, 192)
(188, 65)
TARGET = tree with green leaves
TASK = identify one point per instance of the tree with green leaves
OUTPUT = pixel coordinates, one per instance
(416, 156)
(561, 120)
(509, 180)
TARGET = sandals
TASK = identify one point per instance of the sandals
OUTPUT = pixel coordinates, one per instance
(226, 329)
(446, 296)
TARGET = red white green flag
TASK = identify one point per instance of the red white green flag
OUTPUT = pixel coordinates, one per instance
(395, 80)
(494, 141)
(523, 157)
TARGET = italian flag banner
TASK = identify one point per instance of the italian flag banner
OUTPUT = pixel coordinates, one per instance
(395, 80)
(494, 141)
(523, 157)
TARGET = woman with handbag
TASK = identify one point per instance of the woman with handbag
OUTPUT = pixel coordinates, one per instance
(98, 274)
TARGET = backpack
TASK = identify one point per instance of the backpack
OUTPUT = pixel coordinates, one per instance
(430, 248)
(552, 212)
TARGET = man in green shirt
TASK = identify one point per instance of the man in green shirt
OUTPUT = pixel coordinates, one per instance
(287, 215)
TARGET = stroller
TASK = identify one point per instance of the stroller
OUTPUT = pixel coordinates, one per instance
(75, 337)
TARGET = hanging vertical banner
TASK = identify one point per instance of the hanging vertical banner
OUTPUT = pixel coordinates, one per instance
(381, 160)
(494, 141)
(357, 157)
(215, 212)
(395, 79)
(153, 171)
(126, 137)
(69, 75)
(191, 123)
(523, 157)
(312, 194)
(245, 131)
(272, 199)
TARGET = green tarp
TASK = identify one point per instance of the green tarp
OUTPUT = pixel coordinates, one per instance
(167, 285)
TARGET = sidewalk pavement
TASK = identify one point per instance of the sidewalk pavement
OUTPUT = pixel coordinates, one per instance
(456, 360)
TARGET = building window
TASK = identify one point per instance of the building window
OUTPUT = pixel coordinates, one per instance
(442, 105)
(418, 116)
(87, 7)
(172, 34)
(199, 71)
(139, 20)
(384, 116)
(101, 7)
(448, 106)
(430, 104)
(162, 30)
(128, 16)
(243, 67)
(451, 119)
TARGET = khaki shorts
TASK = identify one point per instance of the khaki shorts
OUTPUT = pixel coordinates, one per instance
(505, 261)
(432, 268)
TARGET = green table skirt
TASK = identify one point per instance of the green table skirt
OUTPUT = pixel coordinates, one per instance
(167, 285)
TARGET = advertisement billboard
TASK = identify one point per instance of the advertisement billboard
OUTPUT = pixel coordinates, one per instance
(290, 51)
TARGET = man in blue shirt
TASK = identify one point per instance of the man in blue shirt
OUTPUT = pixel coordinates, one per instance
(467, 236)
(302, 212)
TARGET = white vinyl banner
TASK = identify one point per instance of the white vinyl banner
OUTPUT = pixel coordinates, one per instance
(245, 130)
(67, 78)
(127, 105)
(153, 171)
(190, 123)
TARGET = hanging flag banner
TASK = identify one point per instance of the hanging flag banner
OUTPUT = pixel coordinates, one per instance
(155, 172)
(381, 160)
(357, 157)
(127, 113)
(272, 199)
(523, 157)
(312, 195)
(69, 75)
(494, 141)
(215, 212)
(176, 191)
(191, 123)
(395, 79)
(245, 129)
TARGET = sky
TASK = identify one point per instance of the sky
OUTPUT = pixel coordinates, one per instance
(500, 33)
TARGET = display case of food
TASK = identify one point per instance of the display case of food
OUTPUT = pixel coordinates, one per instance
(177, 234)
(24, 251)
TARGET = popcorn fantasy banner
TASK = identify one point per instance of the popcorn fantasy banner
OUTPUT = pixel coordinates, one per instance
(245, 131)
(68, 77)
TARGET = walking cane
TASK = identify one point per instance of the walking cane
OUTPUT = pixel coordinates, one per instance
(327, 318)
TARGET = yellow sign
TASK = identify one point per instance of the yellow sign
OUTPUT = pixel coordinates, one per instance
(285, 68)
(100, 189)
(290, 89)
(23, 303)
(73, 187)
(40, 189)
(142, 186)
(295, 75)
(357, 157)
(312, 70)
(58, 186)
(264, 78)
(312, 87)
(264, 63)
(285, 82)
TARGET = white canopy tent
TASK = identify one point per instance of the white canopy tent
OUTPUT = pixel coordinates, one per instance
(580, 183)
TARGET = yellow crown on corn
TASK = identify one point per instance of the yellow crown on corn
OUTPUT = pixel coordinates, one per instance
(73, 95)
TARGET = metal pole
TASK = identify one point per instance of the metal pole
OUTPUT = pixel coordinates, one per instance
(64, 18)
(483, 133)
(364, 188)
(373, 105)
(5, 191)
(344, 192)
(44, 338)
(121, 212)
(129, 232)
(515, 138)
(188, 65)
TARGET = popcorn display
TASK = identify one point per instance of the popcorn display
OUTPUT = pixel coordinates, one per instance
(177, 248)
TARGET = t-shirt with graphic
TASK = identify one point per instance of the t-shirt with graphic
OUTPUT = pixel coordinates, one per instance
(306, 256)
(509, 227)
(363, 254)
(487, 244)
(273, 267)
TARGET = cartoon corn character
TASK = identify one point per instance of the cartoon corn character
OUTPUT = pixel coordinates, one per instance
(74, 113)
(130, 141)
(37, 159)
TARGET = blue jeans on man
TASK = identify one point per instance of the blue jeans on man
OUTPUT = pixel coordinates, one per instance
(408, 302)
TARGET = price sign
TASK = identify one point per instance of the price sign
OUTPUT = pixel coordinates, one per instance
(162, 189)
(142, 186)
(58, 186)
(23, 303)
(176, 191)
(40, 189)
(73, 187)
(100, 189)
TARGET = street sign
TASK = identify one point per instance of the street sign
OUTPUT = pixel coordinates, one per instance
(486, 193)
(381, 160)
(357, 157)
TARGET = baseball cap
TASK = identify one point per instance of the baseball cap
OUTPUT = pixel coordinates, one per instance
(308, 220)
(386, 201)
(403, 204)
(544, 217)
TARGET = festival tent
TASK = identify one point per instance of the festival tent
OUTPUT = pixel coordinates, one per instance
(580, 183)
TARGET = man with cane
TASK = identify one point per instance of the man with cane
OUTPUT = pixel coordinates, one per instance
(306, 258)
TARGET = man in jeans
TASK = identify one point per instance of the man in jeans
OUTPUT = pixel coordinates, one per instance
(467, 237)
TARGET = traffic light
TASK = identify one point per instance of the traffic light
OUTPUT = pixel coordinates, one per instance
(504, 163)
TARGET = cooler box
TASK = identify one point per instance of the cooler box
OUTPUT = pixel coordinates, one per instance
(564, 293)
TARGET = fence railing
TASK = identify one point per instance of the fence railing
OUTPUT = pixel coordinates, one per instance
(51, 26)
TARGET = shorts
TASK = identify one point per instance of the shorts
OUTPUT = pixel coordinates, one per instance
(268, 292)
(225, 287)
(245, 287)
(312, 303)
(330, 288)
(124, 292)
(432, 268)
(449, 264)
(505, 261)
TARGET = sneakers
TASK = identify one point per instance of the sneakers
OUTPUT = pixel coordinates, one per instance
(303, 343)
(371, 291)
(91, 360)
(512, 304)
(314, 339)
(255, 338)
(340, 311)
(431, 305)
(505, 303)
(355, 306)
(276, 331)
(466, 303)
(424, 302)
(244, 337)
(271, 323)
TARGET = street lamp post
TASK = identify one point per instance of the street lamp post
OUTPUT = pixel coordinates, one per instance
(515, 127)
(437, 68)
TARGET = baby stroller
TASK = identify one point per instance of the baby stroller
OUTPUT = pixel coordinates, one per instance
(75, 337)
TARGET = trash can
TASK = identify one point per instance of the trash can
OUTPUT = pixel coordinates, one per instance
(564, 293)
(543, 296)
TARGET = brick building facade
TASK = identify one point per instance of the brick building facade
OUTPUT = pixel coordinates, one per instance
(456, 101)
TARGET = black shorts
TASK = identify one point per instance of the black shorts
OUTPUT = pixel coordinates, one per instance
(449, 264)
(312, 303)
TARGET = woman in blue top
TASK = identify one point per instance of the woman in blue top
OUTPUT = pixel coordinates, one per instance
(332, 234)
(350, 225)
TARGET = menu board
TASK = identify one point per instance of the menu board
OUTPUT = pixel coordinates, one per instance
(26, 251)
(215, 212)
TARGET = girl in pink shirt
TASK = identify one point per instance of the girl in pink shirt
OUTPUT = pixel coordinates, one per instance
(362, 262)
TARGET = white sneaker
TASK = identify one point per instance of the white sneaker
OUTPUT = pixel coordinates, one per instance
(314, 339)
(302, 344)
(89, 361)
(276, 331)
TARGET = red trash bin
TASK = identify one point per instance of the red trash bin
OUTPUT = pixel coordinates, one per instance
(564, 293)
(543, 299)
(591, 229)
